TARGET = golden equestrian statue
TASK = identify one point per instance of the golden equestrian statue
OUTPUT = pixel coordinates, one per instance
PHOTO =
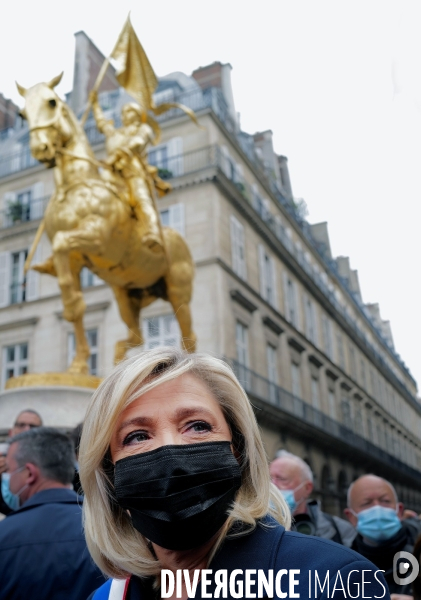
(103, 216)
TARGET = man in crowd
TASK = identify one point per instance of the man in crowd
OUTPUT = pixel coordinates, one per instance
(293, 477)
(43, 553)
(374, 509)
(27, 419)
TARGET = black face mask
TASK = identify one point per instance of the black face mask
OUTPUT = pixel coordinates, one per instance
(178, 496)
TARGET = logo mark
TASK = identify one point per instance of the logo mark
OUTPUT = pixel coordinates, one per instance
(402, 572)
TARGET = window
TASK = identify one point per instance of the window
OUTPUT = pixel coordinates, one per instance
(15, 287)
(291, 301)
(92, 338)
(267, 276)
(296, 380)
(272, 362)
(15, 361)
(363, 376)
(352, 362)
(346, 412)
(315, 395)
(358, 419)
(173, 217)
(168, 158)
(161, 331)
(238, 248)
(370, 431)
(17, 277)
(242, 347)
(241, 341)
(332, 403)
(311, 320)
(340, 344)
(87, 278)
(24, 205)
(327, 335)
(227, 164)
(257, 200)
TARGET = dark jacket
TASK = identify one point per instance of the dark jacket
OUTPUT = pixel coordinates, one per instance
(43, 553)
(321, 524)
(382, 554)
(269, 547)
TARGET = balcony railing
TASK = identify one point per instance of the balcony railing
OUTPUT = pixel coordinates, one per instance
(213, 98)
(274, 395)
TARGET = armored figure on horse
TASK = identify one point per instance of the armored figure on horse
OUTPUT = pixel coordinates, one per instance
(103, 216)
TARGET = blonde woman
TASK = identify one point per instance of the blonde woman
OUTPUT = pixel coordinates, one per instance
(178, 499)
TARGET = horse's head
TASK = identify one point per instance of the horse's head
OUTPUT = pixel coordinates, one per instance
(50, 125)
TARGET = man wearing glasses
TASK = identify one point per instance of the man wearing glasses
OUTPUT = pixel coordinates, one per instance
(26, 420)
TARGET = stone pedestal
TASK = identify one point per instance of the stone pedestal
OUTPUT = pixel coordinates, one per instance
(59, 406)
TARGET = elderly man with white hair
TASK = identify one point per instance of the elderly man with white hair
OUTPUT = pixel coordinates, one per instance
(374, 509)
(294, 479)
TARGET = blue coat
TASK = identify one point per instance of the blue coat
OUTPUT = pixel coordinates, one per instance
(43, 553)
(273, 548)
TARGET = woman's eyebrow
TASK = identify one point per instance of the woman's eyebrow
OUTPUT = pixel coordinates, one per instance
(193, 411)
(136, 421)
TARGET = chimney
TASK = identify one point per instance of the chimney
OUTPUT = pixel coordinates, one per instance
(218, 75)
(284, 174)
(8, 112)
(88, 62)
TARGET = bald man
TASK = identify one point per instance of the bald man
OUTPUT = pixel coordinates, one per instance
(294, 479)
(377, 514)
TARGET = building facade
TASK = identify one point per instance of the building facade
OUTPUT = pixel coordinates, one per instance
(319, 365)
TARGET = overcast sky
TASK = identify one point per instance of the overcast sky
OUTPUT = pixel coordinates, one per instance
(338, 82)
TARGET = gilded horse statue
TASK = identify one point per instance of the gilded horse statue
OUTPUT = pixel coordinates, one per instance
(90, 223)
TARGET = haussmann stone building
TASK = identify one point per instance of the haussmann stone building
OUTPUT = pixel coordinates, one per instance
(319, 364)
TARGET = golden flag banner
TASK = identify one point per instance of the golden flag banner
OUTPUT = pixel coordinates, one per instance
(134, 71)
(136, 75)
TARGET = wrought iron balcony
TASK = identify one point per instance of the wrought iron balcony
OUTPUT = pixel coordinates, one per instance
(295, 412)
(213, 156)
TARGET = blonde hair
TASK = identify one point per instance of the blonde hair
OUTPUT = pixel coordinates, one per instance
(115, 545)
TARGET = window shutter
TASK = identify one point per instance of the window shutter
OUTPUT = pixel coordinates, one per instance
(262, 270)
(32, 279)
(286, 296)
(4, 278)
(37, 208)
(175, 156)
(176, 217)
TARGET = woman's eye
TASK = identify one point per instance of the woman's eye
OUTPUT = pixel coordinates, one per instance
(135, 436)
(199, 426)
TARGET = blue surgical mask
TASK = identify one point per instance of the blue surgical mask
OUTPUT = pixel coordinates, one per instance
(289, 497)
(378, 523)
(12, 500)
